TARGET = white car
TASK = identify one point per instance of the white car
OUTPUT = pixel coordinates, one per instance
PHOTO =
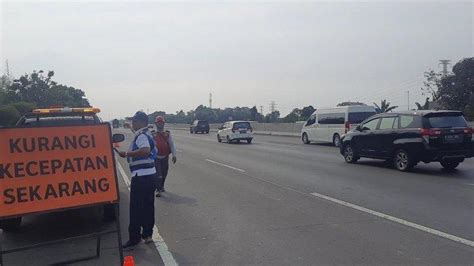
(329, 124)
(235, 131)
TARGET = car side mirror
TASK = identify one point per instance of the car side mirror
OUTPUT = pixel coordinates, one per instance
(116, 138)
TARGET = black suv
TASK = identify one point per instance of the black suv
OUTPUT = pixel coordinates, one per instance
(411, 137)
(199, 126)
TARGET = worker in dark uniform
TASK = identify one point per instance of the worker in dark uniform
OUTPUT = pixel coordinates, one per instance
(141, 156)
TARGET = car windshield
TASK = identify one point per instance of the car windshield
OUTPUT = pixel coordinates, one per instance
(202, 123)
(358, 117)
(445, 121)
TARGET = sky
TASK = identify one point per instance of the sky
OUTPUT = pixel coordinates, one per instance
(169, 56)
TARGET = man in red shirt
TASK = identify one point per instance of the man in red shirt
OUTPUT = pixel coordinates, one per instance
(165, 146)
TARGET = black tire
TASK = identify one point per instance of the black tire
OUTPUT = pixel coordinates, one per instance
(402, 160)
(336, 140)
(449, 165)
(305, 139)
(11, 224)
(350, 155)
(219, 138)
(249, 141)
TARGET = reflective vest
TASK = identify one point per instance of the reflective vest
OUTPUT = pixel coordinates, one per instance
(162, 144)
(147, 162)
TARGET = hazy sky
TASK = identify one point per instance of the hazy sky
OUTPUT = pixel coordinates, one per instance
(170, 56)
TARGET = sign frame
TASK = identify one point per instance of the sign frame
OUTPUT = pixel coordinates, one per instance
(98, 234)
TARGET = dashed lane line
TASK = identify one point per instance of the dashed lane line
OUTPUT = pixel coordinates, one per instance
(226, 165)
(397, 220)
(160, 244)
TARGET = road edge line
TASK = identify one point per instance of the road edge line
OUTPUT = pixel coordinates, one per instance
(160, 244)
(397, 220)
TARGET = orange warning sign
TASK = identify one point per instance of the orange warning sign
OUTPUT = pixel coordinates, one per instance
(52, 168)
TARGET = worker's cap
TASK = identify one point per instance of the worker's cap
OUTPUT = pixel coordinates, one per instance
(140, 117)
(159, 119)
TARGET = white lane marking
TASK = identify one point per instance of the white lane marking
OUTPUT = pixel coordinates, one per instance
(225, 165)
(160, 244)
(398, 220)
(469, 184)
(178, 150)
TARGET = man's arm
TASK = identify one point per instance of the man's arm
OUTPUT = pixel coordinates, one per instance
(143, 148)
(172, 147)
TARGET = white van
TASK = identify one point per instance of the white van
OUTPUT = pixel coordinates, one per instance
(329, 124)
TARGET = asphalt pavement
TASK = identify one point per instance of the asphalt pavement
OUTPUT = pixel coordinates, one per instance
(280, 202)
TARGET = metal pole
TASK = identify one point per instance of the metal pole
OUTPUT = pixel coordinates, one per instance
(119, 232)
(408, 94)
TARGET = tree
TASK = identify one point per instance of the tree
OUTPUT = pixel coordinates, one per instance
(350, 103)
(42, 91)
(306, 112)
(384, 107)
(425, 106)
(8, 115)
(456, 91)
(272, 117)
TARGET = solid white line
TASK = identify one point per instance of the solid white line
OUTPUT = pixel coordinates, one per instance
(398, 220)
(160, 244)
(225, 165)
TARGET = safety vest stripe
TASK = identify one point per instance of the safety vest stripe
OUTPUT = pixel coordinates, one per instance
(143, 161)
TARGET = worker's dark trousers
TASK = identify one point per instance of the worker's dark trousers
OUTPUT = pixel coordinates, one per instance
(142, 207)
(162, 166)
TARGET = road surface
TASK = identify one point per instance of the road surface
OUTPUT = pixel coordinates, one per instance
(279, 202)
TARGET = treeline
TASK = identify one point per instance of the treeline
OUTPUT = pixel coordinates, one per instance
(217, 115)
(35, 90)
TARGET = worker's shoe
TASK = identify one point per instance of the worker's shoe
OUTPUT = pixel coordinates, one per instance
(130, 244)
(148, 239)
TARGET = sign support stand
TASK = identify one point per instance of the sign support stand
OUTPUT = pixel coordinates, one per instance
(97, 235)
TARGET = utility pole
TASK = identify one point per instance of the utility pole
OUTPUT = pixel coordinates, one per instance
(272, 106)
(408, 98)
(445, 64)
(210, 100)
(261, 109)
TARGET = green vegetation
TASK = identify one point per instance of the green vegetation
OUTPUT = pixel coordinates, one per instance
(384, 107)
(35, 90)
(453, 91)
(217, 115)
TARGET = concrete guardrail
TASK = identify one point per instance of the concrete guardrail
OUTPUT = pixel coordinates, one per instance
(271, 129)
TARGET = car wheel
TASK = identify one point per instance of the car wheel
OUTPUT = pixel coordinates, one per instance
(336, 140)
(11, 224)
(305, 138)
(349, 154)
(249, 141)
(219, 138)
(449, 165)
(402, 160)
(228, 140)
